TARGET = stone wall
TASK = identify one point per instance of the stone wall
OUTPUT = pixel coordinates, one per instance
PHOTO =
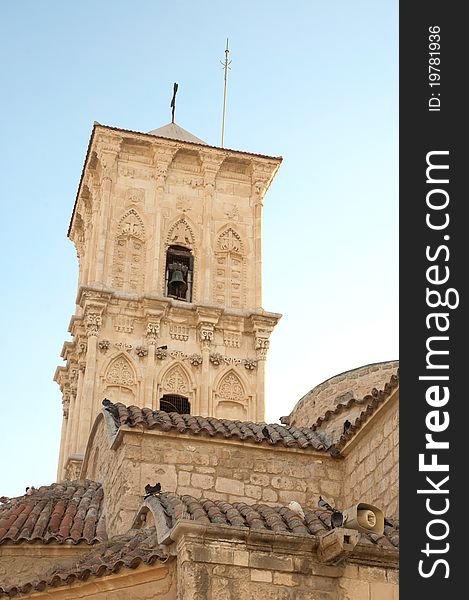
(217, 469)
(228, 570)
(339, 390)
(144, 583)
(372, 461)
(360, 582)
(20, 563)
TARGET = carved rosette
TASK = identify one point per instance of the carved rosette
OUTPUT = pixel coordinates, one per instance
(195, 360)
(216, 358)
(153, 331)
(104, 346)
(250, 364)
(141, 351)
(161, 353)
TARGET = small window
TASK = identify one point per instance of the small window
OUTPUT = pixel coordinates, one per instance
(173, 403)
(179, 273)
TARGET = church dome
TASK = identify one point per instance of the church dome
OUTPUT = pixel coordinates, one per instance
(340, 389)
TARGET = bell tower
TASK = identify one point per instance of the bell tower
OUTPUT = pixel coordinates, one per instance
(169, 305)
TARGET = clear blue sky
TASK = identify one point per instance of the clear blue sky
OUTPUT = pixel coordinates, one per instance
(313, 81)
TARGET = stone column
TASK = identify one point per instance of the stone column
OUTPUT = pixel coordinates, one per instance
(259, 188)
(93, 322)
(102, 210)
(205, 339)
(63, 432)
(211, 166)
(153, 331)
(163, 159)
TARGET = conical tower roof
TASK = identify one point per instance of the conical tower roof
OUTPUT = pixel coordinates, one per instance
(174, 132)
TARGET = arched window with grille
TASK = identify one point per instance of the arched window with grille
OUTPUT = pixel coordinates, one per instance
(175, 403)
(179, 274)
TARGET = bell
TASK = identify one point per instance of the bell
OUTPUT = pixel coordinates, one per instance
(177, 279)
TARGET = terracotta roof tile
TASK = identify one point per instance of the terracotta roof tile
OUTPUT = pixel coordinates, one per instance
(375, 398)
(137, 547)
(274, 434)
(67, 511)
(373, 401)
(278, 519)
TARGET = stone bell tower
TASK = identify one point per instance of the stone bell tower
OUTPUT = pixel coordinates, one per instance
(168, 311)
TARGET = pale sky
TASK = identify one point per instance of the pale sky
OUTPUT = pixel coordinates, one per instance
(315, 82)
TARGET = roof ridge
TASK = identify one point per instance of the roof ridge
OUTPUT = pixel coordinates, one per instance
(354, 401)
(274, 434)
(376, 400)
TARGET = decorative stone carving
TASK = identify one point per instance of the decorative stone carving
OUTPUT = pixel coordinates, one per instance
(124, 323)
(153, 331)
(120, 372)
(123, 346)
(232, 339)
(229, 241)
(134, 173)
(66, 404)
(135, 195)
(216, 358)
(128, 266)
(93, 323)
(141, 351)
(195, 360)
(229, 272)
(261, 346)
(232, 360)
(183, 203)
(175, 381)
(181, 234)
(250, 364)
(230, 387)
(206, 334)
(73, 469)
(104, 345)
(232, 212)
(179, 332)
(161, 353)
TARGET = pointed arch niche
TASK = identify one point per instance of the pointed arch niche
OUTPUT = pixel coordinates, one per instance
(176, 391)
(230, 398)
(120, 381)
(128, 264)
(230, 271)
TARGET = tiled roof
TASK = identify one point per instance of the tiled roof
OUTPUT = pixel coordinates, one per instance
(373, 402)
(374, 398)
(138, 546)
(61, 512)
(273, 434)
(279, 519)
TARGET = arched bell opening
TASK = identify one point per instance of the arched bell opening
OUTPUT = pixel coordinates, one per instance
(179, 274)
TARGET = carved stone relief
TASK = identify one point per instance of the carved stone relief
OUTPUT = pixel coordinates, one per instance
(176, 382)
(120, 372)
(128, 266)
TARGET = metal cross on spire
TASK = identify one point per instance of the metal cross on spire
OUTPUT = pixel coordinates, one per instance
(226, 65)
(173, 101)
